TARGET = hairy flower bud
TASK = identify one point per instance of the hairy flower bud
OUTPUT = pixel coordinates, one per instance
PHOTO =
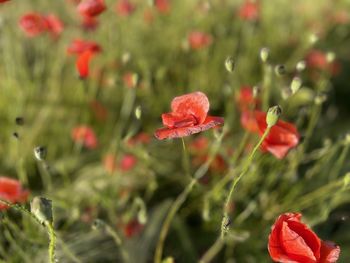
(230, 64)
(273, 115)
(42, 209)
(40, 153)
(296, 84)
(264, 54)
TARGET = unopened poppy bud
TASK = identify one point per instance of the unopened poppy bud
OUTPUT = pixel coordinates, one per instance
(313, 38)
(126, 57)
(286, 93)
(273, 115)
(264, 54)
(320, 99)
(42, 209)
(19, 121)
(295, 85)
(98, 224)
(230, 64)
(40, 153)
(280, 70)
(142, 212)
(138, 112)
(330, 57)
(301, 65)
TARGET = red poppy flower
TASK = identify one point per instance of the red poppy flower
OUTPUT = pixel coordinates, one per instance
(317, 60)
(291, 240)
(91, 7)
(132, 228)
(127, 162)
(199, 145)
(85, 135)
(11, 191)
(163, 6)
(282, 137)
(79, 46)
(85, 51)
(188, 116)
(33, 24)
(199, 40)
(54, 25)
(246, 100)
(249, 10)
(125, 8)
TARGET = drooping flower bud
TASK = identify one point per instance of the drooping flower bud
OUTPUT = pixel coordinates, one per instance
(321, 98)
(280, 70)
(42, 209)
(230, 64)
(264, 54)
(301, 65)
(138, 112)
(40, 153)
(295, 85)
(273, 115)
(256, 91)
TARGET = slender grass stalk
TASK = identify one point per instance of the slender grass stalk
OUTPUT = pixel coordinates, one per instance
(213, 251)
(186, 158)
(226, 220)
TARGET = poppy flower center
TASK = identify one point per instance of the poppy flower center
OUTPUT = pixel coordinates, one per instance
(172, 120)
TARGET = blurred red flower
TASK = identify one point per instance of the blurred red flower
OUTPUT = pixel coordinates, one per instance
(127, 162)
(317, 60)
(91, 7)
(11, 191)
(132, 228)
(85, 135)
(163, 6)
(54, 25)
(249, 10)
(3, 1)
(33, 24)
(291, 240)
(89, 22)
(125, 8)
(141, 138)
(282, 137)
(109, 163)
(188, 116)
(130, 79)
(199, 40)
(99, 110)
(246, 100)
(79, 46)
(85, 51)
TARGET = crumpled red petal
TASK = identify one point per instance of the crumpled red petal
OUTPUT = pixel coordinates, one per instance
(196, 104)
(329, 252)
(210, 122)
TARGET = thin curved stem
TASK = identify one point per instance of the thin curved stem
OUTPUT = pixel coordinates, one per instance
(174, 208)
(226, 220)
(52, 244)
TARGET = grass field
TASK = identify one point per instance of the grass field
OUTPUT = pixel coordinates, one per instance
(84, 91)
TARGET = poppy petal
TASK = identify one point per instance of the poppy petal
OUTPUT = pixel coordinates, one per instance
(210, 122)
(329, 252)
(295, 246)
(196, 104)
(82, 64)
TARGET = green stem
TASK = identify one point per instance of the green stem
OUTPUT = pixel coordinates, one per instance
(226, 219)
(185, 159)
(213, 251)
(52, 244)
(165, 228)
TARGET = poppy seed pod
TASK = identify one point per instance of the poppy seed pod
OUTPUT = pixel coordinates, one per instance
(40, 153)
(264, 54)
(295, 85)
(229, 64)
(280, 70)
(42, 209)
(273, 115)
